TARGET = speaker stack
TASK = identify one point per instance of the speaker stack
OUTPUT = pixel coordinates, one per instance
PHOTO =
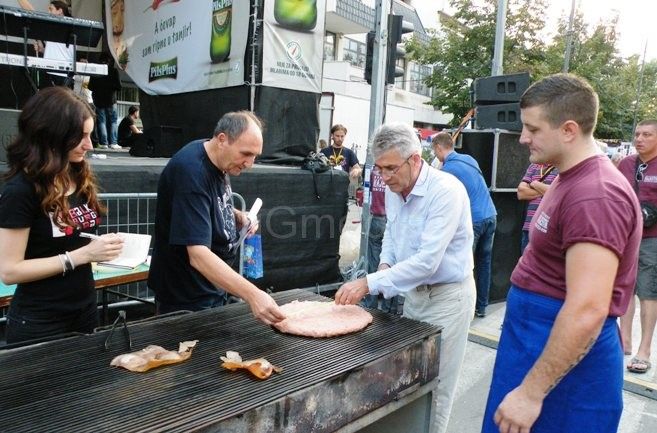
(158, 142)
(497, 101)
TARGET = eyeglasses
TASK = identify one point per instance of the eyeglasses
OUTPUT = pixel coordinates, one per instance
(639, 172)
(389, 171)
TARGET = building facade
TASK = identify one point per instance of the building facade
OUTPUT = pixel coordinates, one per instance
(346, 94)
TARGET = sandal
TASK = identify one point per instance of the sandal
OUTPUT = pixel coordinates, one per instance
(637, 365)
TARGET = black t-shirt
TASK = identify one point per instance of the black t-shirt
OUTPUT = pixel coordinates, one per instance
(124, 131)
(193, 208)
(343, 157)
(20, 208)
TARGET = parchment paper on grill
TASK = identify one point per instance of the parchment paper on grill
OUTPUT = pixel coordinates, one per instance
(153, 356)
(260, 368)
(322, 319)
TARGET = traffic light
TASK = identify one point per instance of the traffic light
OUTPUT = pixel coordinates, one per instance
(369, 57)
(396, 28)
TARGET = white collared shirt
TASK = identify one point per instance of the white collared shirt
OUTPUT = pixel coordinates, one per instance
(428, 237)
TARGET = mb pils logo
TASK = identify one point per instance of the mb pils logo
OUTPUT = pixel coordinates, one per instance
(165, 69)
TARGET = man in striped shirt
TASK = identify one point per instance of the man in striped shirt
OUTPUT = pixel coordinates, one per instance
(532, 188)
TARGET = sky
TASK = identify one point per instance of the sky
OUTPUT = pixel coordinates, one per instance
(637, 18)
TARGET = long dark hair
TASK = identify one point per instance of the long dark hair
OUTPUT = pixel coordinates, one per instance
(49, 127)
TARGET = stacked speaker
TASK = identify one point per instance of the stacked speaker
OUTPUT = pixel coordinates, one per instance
(497, 101)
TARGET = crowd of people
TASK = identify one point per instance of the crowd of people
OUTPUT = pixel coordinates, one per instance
(431, 237)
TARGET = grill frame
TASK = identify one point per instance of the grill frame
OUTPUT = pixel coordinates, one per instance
(325, 385)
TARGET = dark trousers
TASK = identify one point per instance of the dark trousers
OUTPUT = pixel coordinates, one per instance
(23, 325)
(482, 249)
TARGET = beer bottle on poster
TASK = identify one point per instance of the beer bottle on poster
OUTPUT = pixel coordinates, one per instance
(222, 11)
(296, 14)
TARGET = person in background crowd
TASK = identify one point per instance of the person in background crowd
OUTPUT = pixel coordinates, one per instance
(128, 131)
(375, 240)
(616, 158)
(559, 361)
(49, 198)
(339, 156)
(484, 215)
(532, 188)
(81, 87)
(426, 253)
(53, 50)
(196, 224)
(322, 144)
(640, 170)
(103, 91)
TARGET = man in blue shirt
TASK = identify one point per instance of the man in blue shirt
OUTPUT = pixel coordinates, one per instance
(426, 253)
(484, 215)
(196, 224)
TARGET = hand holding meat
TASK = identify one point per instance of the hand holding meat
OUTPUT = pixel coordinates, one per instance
(264, 308)
(352, 292)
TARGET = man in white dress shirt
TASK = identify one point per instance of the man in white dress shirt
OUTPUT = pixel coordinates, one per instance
(426, 253)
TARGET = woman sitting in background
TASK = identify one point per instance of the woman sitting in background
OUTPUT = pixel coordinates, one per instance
(48, 199)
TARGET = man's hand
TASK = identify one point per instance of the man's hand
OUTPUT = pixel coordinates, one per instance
(264, 308)
(352, 292)
(242, 220)
(517, 412)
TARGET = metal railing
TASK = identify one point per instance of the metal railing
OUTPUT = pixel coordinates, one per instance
(129, 213)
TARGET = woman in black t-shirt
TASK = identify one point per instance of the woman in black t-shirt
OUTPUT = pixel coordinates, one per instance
(48, 199)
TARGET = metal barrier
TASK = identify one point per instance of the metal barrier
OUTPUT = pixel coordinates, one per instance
(129, 213)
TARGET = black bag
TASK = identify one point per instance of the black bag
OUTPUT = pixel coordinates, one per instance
(316, 162)
(649, 212)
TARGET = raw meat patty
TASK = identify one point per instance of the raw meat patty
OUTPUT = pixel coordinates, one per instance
(322, 319)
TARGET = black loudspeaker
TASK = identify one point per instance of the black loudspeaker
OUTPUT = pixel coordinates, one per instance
(501, 116)
(478, 145)
(500, 89)
(501, 158)
(158, 142)
(506, 246)
(8, 130)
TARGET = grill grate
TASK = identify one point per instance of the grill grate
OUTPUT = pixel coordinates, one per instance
(68, 385)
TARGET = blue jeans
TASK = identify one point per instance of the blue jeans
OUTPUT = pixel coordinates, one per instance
(23, 325)
(106, 122)
(524, 240)
(374, 243)
(482, 249)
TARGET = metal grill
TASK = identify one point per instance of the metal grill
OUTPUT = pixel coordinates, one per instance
(67, 385)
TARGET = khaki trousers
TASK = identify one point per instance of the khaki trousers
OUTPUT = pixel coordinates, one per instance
(452, 307)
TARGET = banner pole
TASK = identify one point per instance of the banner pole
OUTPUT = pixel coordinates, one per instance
(254, 45)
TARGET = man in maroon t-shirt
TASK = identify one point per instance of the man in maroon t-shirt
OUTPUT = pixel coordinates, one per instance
(574, 279)
(641, 171)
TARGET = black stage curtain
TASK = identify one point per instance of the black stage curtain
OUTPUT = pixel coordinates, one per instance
(194, 113)
(291, 124)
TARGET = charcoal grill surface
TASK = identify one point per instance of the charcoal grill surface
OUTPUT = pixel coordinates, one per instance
(68, 385)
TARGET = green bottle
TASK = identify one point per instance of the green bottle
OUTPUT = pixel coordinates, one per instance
(222, 11)
(296, 14)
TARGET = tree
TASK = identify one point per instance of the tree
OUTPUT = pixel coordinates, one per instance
(463, 50)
